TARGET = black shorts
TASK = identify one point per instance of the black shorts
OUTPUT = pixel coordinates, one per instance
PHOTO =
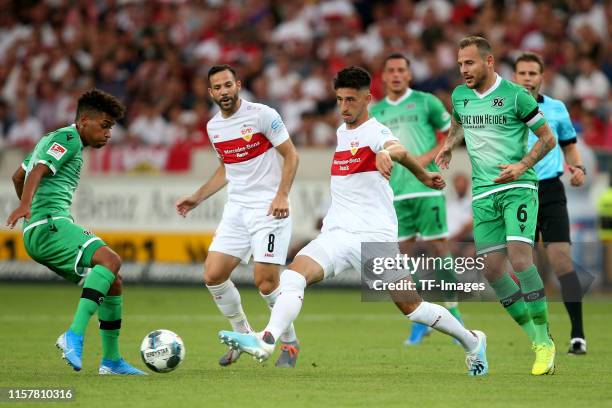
(553, 221)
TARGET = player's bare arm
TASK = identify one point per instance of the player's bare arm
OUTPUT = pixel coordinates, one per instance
(279, 208)
(574, 162)
(215, 183)
(426, 158)
(394, 152)
(19, 180)
(27, 195)
(546, 142)
(454, 137)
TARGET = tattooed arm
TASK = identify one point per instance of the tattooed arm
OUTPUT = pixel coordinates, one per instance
(455, 136)
(546, 142)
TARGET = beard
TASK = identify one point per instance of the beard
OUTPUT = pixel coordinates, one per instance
(478, 79)
(228, 104)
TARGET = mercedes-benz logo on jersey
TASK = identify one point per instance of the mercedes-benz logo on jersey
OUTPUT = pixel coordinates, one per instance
(354, 146)
(247, 133)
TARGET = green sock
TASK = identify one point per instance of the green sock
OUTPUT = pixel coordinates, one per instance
(510, 296)
(97, 283)
(109, 315)
(535, 298)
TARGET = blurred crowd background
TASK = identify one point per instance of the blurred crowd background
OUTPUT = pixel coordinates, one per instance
(154, 56)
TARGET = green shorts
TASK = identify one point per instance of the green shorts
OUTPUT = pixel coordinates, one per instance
(508, 215)
(62, 246)
(425, 216)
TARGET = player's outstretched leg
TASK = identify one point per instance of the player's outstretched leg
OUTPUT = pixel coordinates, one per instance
(217, 270)
(286, 309)
(439, 318)
(290, 346)
(293, 281)
(96, 286)
(266, 279)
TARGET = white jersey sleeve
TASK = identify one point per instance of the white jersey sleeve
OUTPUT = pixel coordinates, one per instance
(385, 135)
(272, 126)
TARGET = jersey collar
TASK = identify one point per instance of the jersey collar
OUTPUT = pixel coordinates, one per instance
(77, 132)
(401, 99)
(491, 89)
(371, 119)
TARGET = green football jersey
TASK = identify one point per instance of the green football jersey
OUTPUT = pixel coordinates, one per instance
(413, 119)
(61, 151)
(496, 126)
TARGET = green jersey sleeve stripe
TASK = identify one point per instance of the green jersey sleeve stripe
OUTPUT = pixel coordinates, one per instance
(531, 115)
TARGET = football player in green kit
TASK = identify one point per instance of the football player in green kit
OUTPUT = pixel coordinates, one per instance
(45, 184)
(495, 116)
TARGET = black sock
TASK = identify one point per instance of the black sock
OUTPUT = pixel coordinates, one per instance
(571, 291)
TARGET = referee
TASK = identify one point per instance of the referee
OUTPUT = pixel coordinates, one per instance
(553, 221)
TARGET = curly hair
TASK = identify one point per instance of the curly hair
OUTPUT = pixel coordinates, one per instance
(353, 77)
(96, 100)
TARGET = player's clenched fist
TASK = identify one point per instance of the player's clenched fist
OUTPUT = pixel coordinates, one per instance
(384, 164)
(433, 180)
(186, 204)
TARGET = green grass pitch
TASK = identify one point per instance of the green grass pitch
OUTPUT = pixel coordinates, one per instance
(352, 355)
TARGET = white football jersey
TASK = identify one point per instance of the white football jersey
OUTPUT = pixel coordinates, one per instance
(245, 143)
(362, 200)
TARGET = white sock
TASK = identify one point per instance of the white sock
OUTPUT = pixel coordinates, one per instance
(288, 335)
(227, 298)
(288, 303)
(439, 318)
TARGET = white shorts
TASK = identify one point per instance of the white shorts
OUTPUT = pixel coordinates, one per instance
(338, 250)
(244, 231)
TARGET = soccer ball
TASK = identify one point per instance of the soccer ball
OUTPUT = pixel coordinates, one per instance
(162, 350)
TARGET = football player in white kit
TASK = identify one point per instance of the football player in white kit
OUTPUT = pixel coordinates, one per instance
(248, 138)
(361, 211)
